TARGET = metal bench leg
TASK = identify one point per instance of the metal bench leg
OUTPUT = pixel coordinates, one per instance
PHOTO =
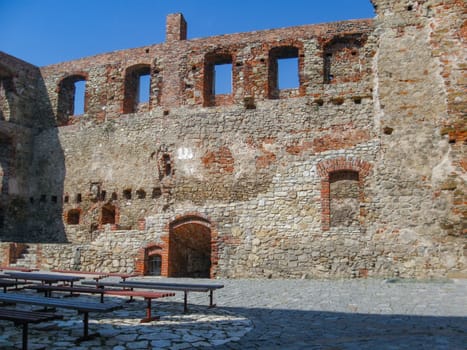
(149, 317)
(86, 335)
(25, 336)
(185, 302)
(211, 299)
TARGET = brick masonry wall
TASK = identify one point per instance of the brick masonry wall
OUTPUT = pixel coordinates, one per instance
(272, 173)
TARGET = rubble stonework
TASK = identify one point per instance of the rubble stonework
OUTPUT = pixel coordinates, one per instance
(359, 171)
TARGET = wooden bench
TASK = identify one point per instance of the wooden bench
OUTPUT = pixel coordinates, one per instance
(82, 307)
(22, 317)
(5, 283)
(74, 291)
(184, 287)
(148, 296)
(94, 275)
(99, 275)
(44, 278)
(123, 276)
(14, 268)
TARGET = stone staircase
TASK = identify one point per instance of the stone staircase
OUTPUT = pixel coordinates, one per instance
(28, 258)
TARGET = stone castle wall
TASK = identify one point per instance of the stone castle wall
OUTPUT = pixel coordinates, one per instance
(359, 171)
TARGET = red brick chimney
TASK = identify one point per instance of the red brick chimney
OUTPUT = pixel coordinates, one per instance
(175, 28)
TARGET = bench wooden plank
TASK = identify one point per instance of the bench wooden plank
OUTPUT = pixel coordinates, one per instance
(23, 318)
(100, 275)
(94, 275)
(7, 283)
(19, 316)
(13, 268)
(80, 306)
(74, 291)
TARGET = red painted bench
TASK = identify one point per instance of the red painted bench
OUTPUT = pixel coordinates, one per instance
(148, 296)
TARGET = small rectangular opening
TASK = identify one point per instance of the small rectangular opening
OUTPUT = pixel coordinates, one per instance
(144, 87)
(288, 73)
(223, 79)
(80, 88)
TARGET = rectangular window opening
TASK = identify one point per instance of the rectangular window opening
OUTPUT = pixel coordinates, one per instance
(223, 79)
(80, 88)
(288, 73)
(144, 87)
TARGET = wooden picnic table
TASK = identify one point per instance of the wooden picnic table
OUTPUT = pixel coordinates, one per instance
(82, 307)
(184, 287)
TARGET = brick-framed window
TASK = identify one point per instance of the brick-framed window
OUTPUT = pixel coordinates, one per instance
(70, 97)
(137, 79)
(216, 62)
(276, 71)
(332, 170)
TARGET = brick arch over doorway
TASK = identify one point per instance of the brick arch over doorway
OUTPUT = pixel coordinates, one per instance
(188, 248)
(192, 247)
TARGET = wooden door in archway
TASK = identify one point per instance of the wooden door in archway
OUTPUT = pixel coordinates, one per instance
(190, 248)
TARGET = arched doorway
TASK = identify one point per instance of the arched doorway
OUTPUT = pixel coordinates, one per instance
(190, 248)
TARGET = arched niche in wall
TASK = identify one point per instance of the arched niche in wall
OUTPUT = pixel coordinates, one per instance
(342, 191)
(73, 217)
(344, 198)
(108, 215)
(342, 61)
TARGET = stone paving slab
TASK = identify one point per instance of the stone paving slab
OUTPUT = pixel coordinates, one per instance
(278, 314)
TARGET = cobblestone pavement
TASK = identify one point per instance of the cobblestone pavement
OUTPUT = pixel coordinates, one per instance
(277, 314)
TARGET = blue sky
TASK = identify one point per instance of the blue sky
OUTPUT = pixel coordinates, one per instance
(44, 32)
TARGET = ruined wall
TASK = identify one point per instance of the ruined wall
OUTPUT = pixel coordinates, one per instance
(24, 109)
(419, 64)
(359, 171)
